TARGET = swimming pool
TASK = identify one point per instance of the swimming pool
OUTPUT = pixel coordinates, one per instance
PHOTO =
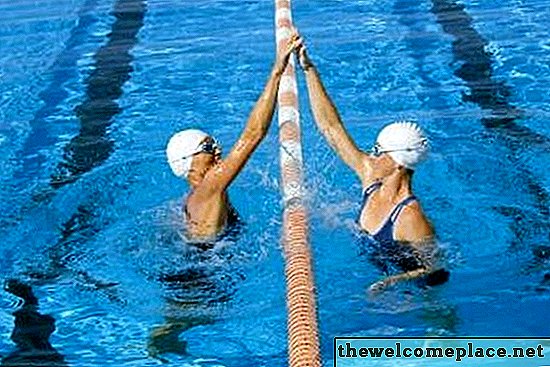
(92, 90)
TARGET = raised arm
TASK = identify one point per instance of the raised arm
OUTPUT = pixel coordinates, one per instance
(256, 127)
(328, 120)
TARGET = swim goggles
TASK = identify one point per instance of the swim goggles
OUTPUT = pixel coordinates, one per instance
(377, 150)
(209, 145)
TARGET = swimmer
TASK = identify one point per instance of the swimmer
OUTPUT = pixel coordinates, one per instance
(391, 215)
(196, 156)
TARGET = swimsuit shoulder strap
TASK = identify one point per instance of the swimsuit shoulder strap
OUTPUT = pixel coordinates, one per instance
(399, 208)
(385, 234)
(367, 191)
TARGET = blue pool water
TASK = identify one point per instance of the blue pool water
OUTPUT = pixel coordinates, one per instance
(90, 92)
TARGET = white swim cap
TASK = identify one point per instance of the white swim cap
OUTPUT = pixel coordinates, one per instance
(405, 142)
(181, 148)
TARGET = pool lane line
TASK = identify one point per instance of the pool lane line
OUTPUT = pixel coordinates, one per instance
(63, 69)
(113, 66)
(303, 338)
(31, 331)
(112, 70)
(32, 159)
(526, 225)
(469, 48)
(92, 146)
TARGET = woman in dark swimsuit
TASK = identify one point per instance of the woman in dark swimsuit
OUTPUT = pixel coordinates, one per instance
(194, 155)
(391, 216)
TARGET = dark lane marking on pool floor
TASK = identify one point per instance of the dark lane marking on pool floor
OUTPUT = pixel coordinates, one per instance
(526, 226)
(469, 48)
(92, 146)
(62, 70)
(29, 158)
(31, 332)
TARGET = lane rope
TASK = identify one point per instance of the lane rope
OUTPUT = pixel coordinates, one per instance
(303, 336)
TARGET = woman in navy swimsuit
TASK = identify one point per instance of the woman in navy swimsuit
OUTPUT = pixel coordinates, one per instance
(391, 217)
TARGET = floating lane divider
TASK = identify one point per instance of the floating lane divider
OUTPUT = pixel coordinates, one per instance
(303, 339)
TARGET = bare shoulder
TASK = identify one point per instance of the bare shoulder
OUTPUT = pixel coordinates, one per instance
(413, 225)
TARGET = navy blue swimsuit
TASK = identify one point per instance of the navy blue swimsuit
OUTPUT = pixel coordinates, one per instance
(385, 234)
(382, 248)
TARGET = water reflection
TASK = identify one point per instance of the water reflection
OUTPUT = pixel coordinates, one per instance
(440, 317)
(197, 285)
(541, 263)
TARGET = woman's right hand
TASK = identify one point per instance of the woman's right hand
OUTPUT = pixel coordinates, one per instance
(292, 45)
